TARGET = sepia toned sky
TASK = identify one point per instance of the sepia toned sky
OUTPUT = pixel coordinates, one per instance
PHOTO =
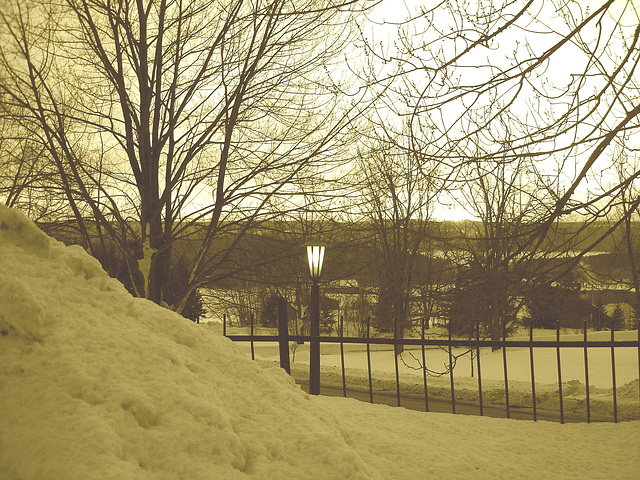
(561, 70)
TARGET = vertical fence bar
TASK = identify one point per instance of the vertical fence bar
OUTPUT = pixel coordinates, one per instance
(224, 324)
(613, 374)
(559, 371)
(586, 370)
(395, 358)
(344, 378)
(424, 371)
(253, 354)
(504, 363)
(533, 375)
(369, 358)
(283, 335)
(638, 327)
(479, 369)
(453, 395)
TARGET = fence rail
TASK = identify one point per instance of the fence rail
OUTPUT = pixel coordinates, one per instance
(438, 342)
(283, 338)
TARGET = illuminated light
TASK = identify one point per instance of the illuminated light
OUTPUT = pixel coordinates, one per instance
(315, 255)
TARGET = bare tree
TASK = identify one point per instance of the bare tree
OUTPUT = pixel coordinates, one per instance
(560, 76)
(508, 199)
(171, 119)
(21, 172)
(629, 210)
(398, 196)
(521, 104)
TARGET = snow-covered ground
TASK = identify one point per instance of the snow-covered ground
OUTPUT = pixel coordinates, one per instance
(95, 384)
(493, 387)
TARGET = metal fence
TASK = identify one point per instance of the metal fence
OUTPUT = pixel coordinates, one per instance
(474, 344)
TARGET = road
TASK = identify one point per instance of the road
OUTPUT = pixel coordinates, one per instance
(443, 405)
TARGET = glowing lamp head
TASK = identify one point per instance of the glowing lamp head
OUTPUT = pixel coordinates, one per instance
(315, 255)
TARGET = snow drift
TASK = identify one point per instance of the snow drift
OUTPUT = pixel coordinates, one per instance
(97, 384)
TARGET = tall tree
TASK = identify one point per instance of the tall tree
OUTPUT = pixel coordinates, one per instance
(558, 77)
(166, 119)
(508, 199)
(521, 103)
(628, 210)
(398, 197)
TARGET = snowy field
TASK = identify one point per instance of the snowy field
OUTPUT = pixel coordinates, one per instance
(95, 384)
(518, 364)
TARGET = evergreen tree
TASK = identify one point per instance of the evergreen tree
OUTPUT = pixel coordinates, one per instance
(617, 318)
(549, 304)
(269, 310)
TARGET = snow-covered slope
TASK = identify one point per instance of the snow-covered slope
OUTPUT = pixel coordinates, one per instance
(97, 384)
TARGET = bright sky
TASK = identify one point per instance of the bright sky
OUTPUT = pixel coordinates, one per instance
(564, 64)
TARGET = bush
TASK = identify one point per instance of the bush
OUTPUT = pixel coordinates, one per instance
(549, 304)
(469, 309)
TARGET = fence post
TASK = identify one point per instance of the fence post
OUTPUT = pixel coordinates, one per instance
(253, 352)
(283, 335)
(533, 375)
(396, 349)
(504, 362)
(613, 373)
(559, 371)
(369, 358)
(479, 369)
(453, 395)
(314, 345)
(424, 371)
(586, 370)
(344, 377)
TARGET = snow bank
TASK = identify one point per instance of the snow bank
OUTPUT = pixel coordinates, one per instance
(97, 384)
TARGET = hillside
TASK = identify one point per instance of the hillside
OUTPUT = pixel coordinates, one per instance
(95, 384)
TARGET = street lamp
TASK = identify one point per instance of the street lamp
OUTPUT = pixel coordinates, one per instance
(315, 255)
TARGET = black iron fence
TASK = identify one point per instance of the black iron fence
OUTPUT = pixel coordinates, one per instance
(449, 343)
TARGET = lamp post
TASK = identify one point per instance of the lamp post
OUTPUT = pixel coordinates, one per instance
(315, 255)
